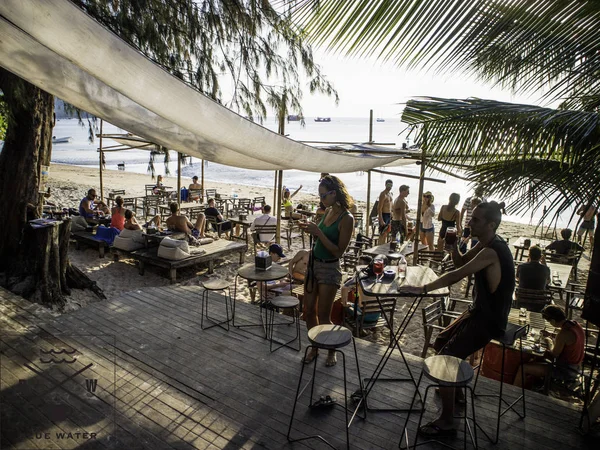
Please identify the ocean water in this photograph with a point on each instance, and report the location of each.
(82, 152)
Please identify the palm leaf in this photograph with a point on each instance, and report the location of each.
(529, 46)
(523, 152)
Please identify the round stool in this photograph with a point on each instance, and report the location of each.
(445, 372)
(215, 286)
(284, 302)
(328, 337)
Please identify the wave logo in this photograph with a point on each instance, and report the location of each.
(58, 356)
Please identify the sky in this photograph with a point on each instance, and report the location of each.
(367, 84)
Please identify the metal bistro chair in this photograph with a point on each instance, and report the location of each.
(210, 193)
(445, 372)
(328, 337)
(215, 286)
(277, 303)
(532, 299)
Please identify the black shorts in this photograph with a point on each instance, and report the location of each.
(463, 337)
(397, 227)
(386, 221)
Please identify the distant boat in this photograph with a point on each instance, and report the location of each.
(62, 140)
(379, 119)
(323, 119)
(295, 117)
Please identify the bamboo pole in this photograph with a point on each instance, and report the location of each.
(367, 220)
(275, 192)
(101, 158)
(278, 194)
(179, 163)
(371, 127)
(417, 229)
(202, 182)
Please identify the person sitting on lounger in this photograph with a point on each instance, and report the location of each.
(177, 222)
(88, 207)
(130, 222)
(211, 211)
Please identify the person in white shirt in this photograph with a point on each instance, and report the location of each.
(427, 214)
(265, 219)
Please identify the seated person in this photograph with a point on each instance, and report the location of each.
(195, 186)
(567, 348)
(117, 215)
(288, 206)
(87, 206)
(177, 222)
(158, 187)
(566, 245)
(299, 265)
(533, 274)
(130, 222)
(211, 211)
(265, 219)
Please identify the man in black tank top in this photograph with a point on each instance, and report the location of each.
(491, 262)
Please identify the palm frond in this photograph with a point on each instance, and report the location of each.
(529, 46)
(523, 152)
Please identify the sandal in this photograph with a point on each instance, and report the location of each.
(323, 402)
(433, 431)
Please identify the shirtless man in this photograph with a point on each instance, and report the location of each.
(299, 265)
(384, 209)
(195, 186)
(588, 224)
(130, 222)
(177, 222)
(491, 261)
(400, 208)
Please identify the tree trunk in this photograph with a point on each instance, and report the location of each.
(591, 309)
(33, 262)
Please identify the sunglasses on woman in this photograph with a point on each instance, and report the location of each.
(326, 194)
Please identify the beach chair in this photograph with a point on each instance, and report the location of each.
(151, 203)
(149, 188)
(210, 193)
(257, 204)
(216, 225)
(371, 309)
(435, 318)
(349, 261)
(195, 195)
(425, 256)
(264, 230)
(291, 232)
(532, 299)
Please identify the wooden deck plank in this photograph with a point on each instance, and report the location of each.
(213, 389)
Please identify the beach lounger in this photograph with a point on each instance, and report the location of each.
(89, 239)
(212, 251)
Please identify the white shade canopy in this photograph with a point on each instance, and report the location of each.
(57, 47)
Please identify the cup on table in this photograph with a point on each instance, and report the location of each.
(393, 246)
(526, 243)
(378, 269)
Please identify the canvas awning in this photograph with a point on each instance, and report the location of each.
(57, 47)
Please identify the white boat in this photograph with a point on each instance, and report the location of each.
(62, 140)
(379, 119)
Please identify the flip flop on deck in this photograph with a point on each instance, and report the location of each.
(323, 402)
(433, 431)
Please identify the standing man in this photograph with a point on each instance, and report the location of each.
(465, 216)
(399, 213)
(588, 225)
(491, 261)
(384, 210)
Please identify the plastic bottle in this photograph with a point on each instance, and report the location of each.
(402, 267)
(398, 238)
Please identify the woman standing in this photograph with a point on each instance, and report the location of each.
(117, 215)
(427, 213)
(449, 216)
(324, 275)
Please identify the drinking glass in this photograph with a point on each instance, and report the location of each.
(378, 269)
(450, 237)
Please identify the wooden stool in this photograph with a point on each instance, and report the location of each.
(284, 302)
(214, 286)
(513, 331)
(445, 371)
(328, 337)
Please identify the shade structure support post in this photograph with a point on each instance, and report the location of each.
(276, 178)
(278, 194)
(371, 127)
(101, 156)
(179, 156)
(417, 229)
(202, 181)
(367, 221)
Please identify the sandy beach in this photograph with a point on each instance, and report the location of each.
(69, 185)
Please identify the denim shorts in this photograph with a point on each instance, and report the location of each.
(427, 230)
(328, 273)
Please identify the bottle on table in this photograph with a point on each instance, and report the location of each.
(402, 267)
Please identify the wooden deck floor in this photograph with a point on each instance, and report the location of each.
(161, 382)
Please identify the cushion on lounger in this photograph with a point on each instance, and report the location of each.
(78, 223)
(173, 249)
(129, 240)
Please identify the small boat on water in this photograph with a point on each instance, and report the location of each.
(323, 119)
(62, 140)
(295, 117)
(379, 119)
